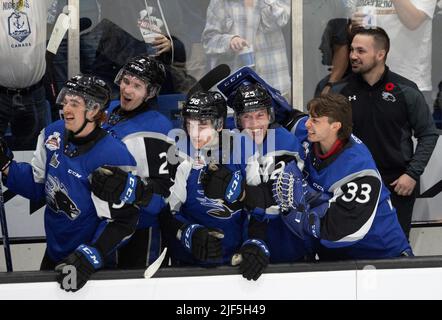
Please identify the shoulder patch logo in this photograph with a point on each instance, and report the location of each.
(387, 96)
(54, 160)
(53, 141)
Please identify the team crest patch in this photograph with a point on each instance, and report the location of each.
(387, 96)
(18, 26)
(53, 141)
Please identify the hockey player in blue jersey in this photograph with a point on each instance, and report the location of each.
(81, 230)
(145, 133)
(254, 114)
(359, 221)
(209, 231)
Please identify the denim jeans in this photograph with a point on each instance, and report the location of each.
(27, 115)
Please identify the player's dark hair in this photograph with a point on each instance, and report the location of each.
(337, 108)
(380, 36)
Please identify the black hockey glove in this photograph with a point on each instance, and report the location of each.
(203, 243)
(114, 185)
(77, 268)
(221, 183)
(6, 155)
(259, 196)
(255, 258)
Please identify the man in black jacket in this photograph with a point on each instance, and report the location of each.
(387, 110)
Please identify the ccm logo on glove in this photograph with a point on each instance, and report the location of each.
(233, 190)
(129, 195)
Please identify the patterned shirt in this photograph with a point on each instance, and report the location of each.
(228, 18)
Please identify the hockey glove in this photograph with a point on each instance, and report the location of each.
(77, 268)
(259, 196)
(288, 189)
(221, 183)
(114, 185)
(6, 155)
(204, 244)
(255, 258)
(292, 191)
(307, 222)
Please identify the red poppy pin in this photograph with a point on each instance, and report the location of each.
(389, 86)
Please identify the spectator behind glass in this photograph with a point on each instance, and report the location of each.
(112, 34)
(22, 67)
(192, 22)
(334, 46)
(56, 72)
(409, 25)
(122, 38)
(234, 26)
(90, 15)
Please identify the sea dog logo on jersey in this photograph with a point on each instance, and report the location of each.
(58, 199)
(218, 208)
(387, 96)
(18, 26)
(53, 141)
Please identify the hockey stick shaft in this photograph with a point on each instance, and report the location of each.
(4, 226)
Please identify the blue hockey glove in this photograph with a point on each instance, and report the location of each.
(307, 222)
(77, 268)
(254, 258)
(289, 188)
(6, 155)
(114, 185)
(204, 244)
(221, 183)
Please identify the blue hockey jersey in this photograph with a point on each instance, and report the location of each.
(145, 133)
(59, 172)
(279, 148)
(190, 205)
(361, 222)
